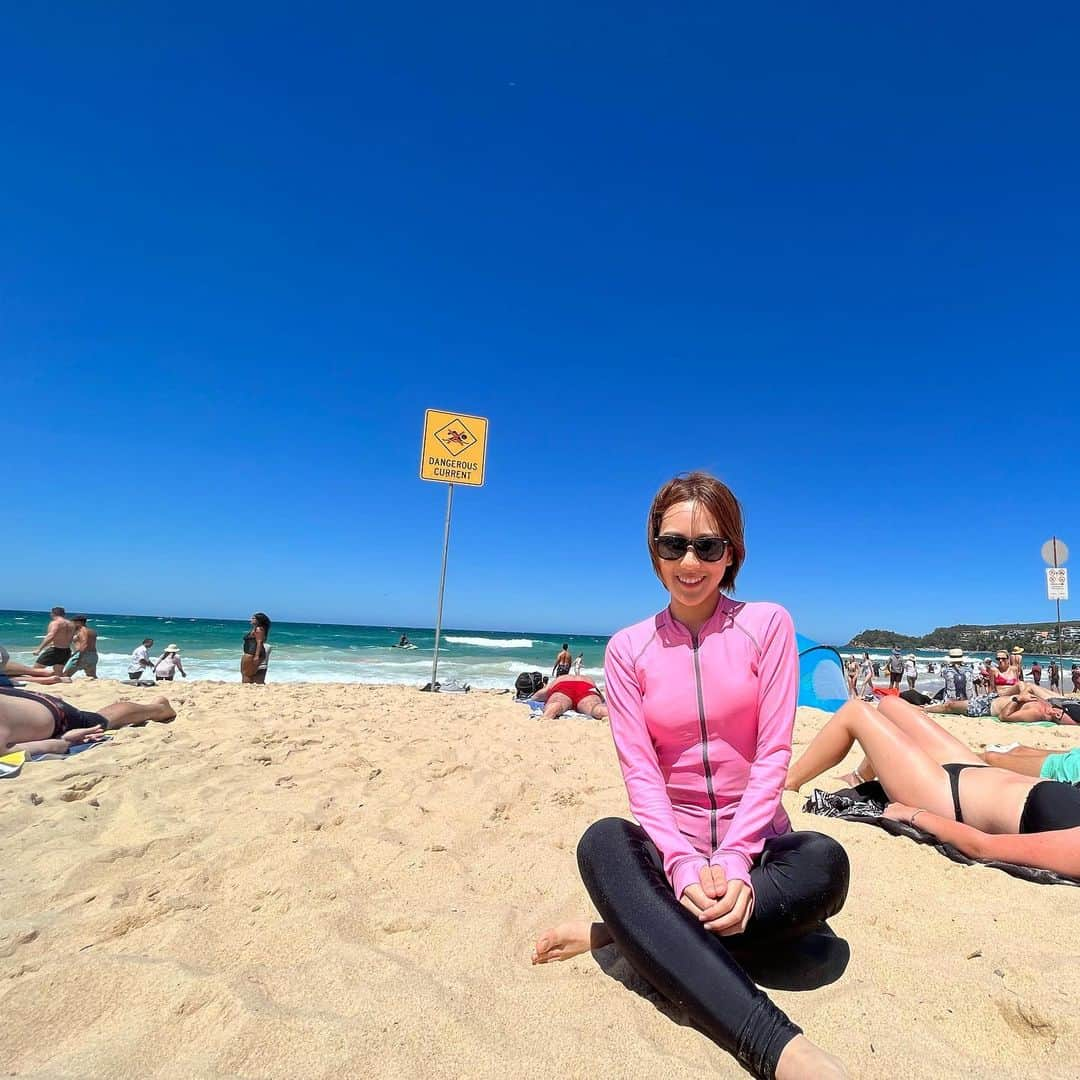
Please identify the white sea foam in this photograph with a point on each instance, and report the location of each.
(493, 643)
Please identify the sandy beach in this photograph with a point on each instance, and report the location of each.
(327, 881)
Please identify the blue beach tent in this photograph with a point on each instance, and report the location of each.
(822, 683)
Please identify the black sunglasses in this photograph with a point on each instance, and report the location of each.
(706, 548)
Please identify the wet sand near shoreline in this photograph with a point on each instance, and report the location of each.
(344, 880)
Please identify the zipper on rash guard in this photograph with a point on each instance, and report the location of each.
(704, 743)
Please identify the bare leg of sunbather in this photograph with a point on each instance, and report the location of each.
(126, 713)
(954, 708)
(928, 736)
(569, 939)
(992, 799)
(1025, 760)
(556, 705)
(931, 738)
(32, 674)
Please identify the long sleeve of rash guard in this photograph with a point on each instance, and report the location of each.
(645, 786)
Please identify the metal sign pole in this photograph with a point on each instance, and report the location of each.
(1061, 662)
(1056, 554)
(442, 582)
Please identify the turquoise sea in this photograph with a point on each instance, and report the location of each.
(316, 652)
(325, 652)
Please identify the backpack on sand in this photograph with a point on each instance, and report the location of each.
(527, 683)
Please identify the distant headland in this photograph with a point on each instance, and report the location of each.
(1038, 637)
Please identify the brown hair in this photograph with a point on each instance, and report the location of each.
(721, 505)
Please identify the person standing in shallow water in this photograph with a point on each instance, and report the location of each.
(562, 662)
(701, 701)
(256, 651)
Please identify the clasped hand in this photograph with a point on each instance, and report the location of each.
(722, 906)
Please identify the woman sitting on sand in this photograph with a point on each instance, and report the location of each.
(41, 723)
(702, 701)
(946, 790)
(571, 692)
(1005, 670)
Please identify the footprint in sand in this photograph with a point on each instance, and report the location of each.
(24, 937)
(403, 925)
(437, 769)
(1025, 1019)
(80, 789)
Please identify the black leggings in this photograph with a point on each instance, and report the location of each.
(800, 879)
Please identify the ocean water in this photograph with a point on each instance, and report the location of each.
(316, 652)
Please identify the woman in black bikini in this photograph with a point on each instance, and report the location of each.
(945, 789)
(253, 662)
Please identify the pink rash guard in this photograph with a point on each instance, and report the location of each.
(703, 732)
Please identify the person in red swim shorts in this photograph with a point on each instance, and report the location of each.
(571, 692)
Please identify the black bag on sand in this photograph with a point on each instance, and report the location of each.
(527, 683)
(915, 697)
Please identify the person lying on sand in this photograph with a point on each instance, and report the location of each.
(1047, 764)
(947, 790)
(27, 720)
(571, 692)
(1021, 703)
(11, 670)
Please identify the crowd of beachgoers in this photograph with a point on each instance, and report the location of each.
(35, 723)
(701, 701)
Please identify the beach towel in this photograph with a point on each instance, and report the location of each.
(867, 803)
(78, 748)
(11, 764)
(536, 708)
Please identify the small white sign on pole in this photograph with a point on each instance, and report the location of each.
(1057, 583)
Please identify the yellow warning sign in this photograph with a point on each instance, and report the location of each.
(454, 448)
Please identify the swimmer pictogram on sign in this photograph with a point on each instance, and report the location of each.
(455, 436)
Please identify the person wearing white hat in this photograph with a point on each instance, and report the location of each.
(911, 671)
(168, 664)
(959, 684)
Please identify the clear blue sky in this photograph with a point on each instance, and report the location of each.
(828, 252)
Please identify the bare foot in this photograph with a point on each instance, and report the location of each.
(166, 712)
(802, 1060)
(850, 779)
(569, 939)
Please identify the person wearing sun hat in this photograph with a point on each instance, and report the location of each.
(168, 664)
(959, 684)
(911, 670)
(1016, 662)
